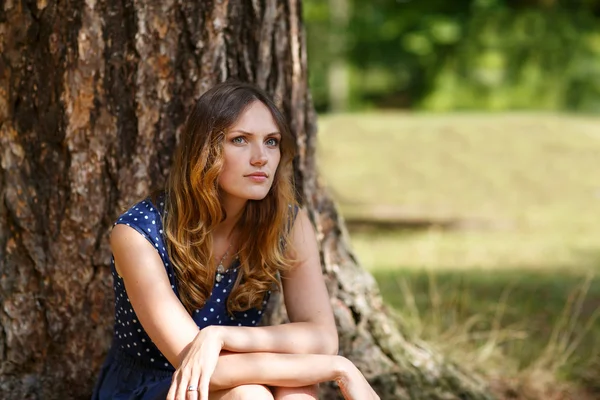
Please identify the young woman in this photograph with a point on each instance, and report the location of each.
(194, 266)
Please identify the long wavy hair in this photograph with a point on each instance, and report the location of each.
(193, 207)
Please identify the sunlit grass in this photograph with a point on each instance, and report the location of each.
(524, 189)
(486, 250)
(525, 171)
(523, 194)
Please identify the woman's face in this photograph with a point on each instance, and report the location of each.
(251, 151)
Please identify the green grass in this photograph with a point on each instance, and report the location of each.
(522, 308)
(524, 192)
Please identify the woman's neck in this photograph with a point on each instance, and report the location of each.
(233, 209)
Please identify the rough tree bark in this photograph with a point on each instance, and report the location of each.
(92, 96)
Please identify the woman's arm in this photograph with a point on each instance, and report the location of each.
(275, 369)
(176, 335)
(157, 307)
(312, 329)
(170, 327)
(281, 370)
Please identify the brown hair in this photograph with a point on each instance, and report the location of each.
(193, 208)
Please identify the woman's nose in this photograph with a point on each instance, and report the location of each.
(259, 156)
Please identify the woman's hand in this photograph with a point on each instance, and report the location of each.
(353, 384)
(197, 366)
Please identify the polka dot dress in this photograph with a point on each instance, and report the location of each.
(135, 368)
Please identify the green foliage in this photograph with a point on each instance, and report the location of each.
(464, 54)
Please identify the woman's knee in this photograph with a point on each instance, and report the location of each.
(298, 393)
(249, 392)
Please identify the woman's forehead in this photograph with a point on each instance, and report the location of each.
(256, 118)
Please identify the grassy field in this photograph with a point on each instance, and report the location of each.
(502, 270)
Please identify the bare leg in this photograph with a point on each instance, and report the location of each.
(298, 393)
(243, 392)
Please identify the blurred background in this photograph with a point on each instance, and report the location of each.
(461, 140)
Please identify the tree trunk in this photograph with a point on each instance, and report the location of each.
(92, 97)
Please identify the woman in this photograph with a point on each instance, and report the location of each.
(194, 266)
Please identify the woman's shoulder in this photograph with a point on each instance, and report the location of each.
(145, 217)
(148, 210)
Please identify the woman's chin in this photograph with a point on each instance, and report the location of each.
(257, 195)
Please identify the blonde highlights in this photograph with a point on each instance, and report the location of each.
(193, 208)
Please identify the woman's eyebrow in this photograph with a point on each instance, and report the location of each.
(252, 134)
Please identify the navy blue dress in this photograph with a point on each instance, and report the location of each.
(134, 368)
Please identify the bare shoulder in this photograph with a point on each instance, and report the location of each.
(127, 243)
(122, 234)
(302, 229)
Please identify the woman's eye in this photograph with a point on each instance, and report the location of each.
(272, 142)
(238, 140)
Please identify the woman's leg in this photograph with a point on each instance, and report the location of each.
(298, 393)
(243, 392)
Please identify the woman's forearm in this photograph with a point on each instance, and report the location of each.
(292, 338)
(286, 370)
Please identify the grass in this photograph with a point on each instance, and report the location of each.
(512, 284)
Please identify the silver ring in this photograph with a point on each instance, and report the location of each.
(192, 388)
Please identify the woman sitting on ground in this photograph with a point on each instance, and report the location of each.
(194, 266)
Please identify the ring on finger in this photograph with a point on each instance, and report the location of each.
(192, 388)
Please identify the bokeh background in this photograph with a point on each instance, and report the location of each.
(461, 140)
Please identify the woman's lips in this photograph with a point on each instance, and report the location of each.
(257, 178)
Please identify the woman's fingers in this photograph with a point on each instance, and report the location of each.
(182, 389)
(354, 386)
(174, 384)
(207, 371)
(191, 392)
(184, 384)
(203, 387)
(192, 385)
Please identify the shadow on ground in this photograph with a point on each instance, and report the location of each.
(553, 308)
